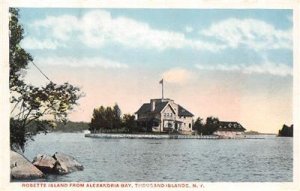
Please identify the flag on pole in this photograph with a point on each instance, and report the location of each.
(161, 81)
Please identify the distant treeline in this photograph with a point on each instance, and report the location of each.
(252, 133)
(286, 131)
(68, 126)
(71, 126)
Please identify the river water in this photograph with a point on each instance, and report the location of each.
(168, 160)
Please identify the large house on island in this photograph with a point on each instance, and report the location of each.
(227, 129)
(164, 115)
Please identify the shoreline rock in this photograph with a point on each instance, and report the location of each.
(22, 168)
(45, 163)
(66, 164)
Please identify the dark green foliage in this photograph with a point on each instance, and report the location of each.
(17, 134)
(129, 123)
(29, 103)
(98, 119)
(18, 57)
(106, 119)
(286, 131)
(117, 117)
(211, 125)
(199, 126)
(109, 116)
(208, 128)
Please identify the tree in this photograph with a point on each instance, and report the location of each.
(106, 119)
(129, 123)
(212, 120)
(18, 57)
(29, 103)
(211, 125)
(98, 121)
(198, 125)
(286, 131)
(109, 116)
(117, 117)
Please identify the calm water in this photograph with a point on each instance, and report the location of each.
(127, 160)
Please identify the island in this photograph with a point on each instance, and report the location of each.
(286, 131)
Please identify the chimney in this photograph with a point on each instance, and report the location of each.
(152, 105)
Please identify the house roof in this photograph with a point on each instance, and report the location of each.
(159, 106)
(230, 126)
(146, 108)
(183, 112)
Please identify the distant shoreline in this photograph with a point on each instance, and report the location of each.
(258, 133)
(138, 133)
(159, 136)
(148, 136)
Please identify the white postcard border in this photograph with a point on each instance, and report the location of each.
(5, 183)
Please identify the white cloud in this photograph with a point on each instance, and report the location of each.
(177, 76)
(60, 27)
(97, 28)
(255, 34)
(267, 67)
(270, 68)
(33, 43)
(80, 62)
(189, 29)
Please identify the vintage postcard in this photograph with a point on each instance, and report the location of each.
(145, 95)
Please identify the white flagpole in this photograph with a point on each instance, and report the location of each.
(162, 88)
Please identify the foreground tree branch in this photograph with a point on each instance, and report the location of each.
(42, 105)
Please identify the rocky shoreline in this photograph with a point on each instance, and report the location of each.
(42, 164)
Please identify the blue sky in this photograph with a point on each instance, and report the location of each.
(187, 22)
(203, 55)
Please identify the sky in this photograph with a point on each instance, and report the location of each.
(234, 64)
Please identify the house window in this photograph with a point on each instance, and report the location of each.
(165, 114)
(190, 125)
(171, 114)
